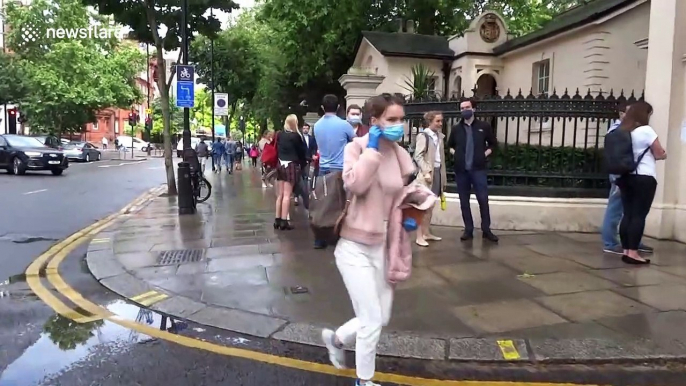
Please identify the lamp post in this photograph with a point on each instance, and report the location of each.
(184, 43)
(212, 82)
(148, 120)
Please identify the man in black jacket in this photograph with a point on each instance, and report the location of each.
(471, 141)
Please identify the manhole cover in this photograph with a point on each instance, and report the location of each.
(180, 256)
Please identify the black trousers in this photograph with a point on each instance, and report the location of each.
(467, 180)
(637, 193)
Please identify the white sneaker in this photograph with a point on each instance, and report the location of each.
(366, 383)
(336, 355)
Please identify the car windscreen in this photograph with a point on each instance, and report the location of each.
(73, 145)
(19, 141)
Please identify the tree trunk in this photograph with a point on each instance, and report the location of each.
(166, 132)
(164, 98)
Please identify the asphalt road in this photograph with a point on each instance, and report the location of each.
(38, 347)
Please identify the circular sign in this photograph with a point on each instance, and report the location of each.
(221, 103)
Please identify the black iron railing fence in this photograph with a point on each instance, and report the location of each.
(549, 145)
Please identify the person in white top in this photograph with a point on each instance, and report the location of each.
(430, 159)
(638, 188)
(104, 143)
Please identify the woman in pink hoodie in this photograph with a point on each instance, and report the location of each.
(375, 172)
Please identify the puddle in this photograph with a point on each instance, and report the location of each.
(25, 239)
(64, 344)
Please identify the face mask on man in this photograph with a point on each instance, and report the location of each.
(467, 114)
(354, 119)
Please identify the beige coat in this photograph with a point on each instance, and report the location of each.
(425, 154)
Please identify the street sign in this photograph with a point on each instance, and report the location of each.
(221, 104)
(185, 86)
(148, 111)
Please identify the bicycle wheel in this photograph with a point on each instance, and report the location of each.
(204, 190)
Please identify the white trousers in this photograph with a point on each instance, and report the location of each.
(363, 268)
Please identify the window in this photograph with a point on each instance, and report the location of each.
(2, 142)
(116, 126)
(433, 81)
(95, 126)
(541, 78)
(457, 87)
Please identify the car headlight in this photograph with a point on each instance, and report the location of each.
(32, 153)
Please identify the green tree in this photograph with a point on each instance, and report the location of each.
(69, 80)
(13, 81)
(67, 334)
(145, 19)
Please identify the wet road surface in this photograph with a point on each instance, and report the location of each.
(42, 348)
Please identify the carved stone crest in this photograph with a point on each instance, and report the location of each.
(490, 30)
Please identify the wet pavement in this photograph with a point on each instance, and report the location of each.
(554, 295)
(58, 352)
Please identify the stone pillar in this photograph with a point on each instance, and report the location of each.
(311, 118)
(359, 87)
(665, 89)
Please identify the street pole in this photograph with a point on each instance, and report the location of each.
(212, 72)
(148, 128)
(133, 134)
(184, 44)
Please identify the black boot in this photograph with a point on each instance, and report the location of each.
(285, 225)
(277, 223)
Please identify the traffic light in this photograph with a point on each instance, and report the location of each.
(133, 118)
(148, 124)
(11, 121)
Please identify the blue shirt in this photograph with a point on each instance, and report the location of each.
(217, 148)
(332, 134)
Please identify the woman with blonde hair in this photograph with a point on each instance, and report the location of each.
(290, 149)
(430, 160)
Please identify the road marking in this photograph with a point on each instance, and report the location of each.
(509, 350)
(122, 164)
(35, 191)
(55, 255)
(149, 298)
(102, 240)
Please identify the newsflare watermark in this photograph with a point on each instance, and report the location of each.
(30, 33)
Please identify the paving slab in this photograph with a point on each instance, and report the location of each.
(536, 296)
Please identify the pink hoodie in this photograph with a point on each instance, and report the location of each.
(375, 180)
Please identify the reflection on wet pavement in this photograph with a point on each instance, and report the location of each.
(64, 343)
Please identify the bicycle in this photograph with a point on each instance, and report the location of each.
(202, 189)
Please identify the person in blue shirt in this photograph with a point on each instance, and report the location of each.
(331, 134)
(218, 151)
(615, 210)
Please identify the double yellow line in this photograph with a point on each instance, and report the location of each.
(52, 258)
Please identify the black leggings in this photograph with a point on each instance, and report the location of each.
(637, 192)
(254, 161)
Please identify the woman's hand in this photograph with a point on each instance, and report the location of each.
(374, 136)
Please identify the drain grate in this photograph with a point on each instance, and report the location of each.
(180, 256)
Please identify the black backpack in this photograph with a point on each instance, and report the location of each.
(619, 153)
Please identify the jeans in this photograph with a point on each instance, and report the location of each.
(363, 269)
(228, 160)
(466, 180)
(217, 158)
(638, 192)
(613, 215)
(320, 173)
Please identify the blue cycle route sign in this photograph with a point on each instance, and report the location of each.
(185, 86)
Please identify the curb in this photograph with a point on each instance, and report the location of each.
(112, 274)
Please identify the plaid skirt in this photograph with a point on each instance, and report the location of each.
(290, 173)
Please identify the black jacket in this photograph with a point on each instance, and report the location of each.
(484, 139)
(311, 150)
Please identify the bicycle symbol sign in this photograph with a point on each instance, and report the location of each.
(185, 73)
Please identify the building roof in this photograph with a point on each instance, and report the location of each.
(574, 18)
(409, 45)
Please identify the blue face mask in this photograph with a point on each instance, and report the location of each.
(467, 114)
(394, 133)
(354, 119)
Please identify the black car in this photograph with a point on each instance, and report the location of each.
(19, 154)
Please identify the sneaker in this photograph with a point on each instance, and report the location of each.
(365, 383)
(645, 249)
(617, 250)
(336, 354)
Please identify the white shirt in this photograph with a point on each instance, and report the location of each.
(104, 140)
(642, 138)
(434, 137)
